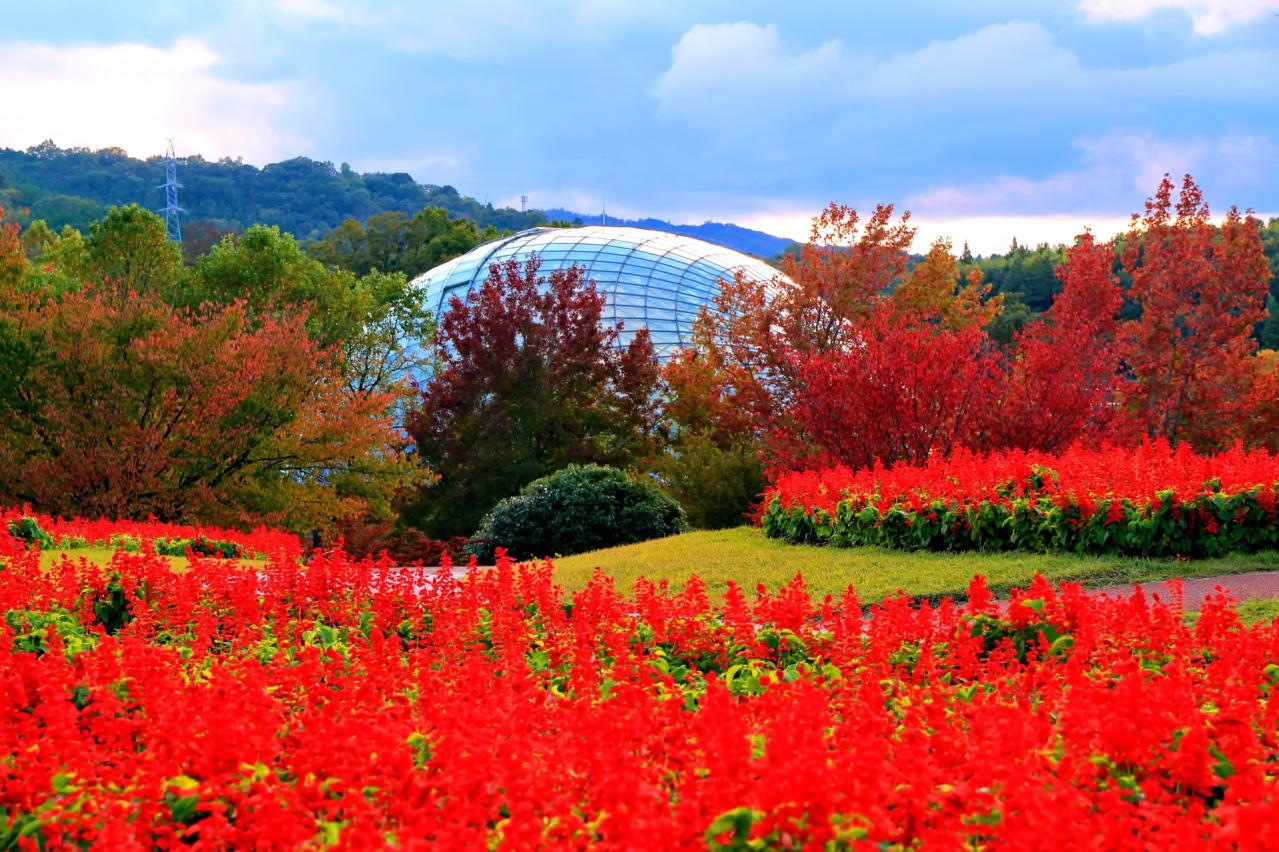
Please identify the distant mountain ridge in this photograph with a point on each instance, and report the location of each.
(308, 198)
(725, 234)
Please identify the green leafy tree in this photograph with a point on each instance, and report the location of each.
(716, 486)
(1012, 318)
(304, 197)
(396, 242)
(130, 246)
(378, 320)
(36, 238)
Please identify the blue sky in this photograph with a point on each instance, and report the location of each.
(986, 119)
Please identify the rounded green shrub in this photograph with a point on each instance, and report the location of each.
(579, 508)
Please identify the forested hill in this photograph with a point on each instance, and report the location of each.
(75, 186)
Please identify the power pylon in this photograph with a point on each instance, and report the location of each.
(171, 209)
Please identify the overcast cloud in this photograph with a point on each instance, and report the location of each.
(986, 119)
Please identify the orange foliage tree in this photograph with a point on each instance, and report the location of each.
(930, 291)
(117, 404)
(790, 362)
(1201, 290)
(741, 375)
(13, 260)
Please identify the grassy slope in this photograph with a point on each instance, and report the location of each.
(102, 556)
(1258, 610)
(745, 556)
(95, 555)
(1253, 611)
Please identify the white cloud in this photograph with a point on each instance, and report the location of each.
(1115, 171)
(742, 71)
(1002, 59)
(1114, 175)
(133, 96)
(1208, 17)
(716, 68)
(988, 235)
(477, 28)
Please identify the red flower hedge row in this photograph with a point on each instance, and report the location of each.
(261, 541)
(1150, 500)
(364, 705)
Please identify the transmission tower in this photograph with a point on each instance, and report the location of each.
(171, 209)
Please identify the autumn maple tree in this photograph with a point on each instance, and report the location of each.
(130, 386)
(906, 388)
(117, 404)
(740, 376)
(852, 356)
(930, 290)
(13, 261)
(527, 381)
(1260, 424)
(1063, 379)
(1201, 291)
(859, 355)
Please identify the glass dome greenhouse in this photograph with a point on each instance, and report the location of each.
(650, 279)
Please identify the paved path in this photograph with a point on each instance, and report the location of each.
(1196, 590)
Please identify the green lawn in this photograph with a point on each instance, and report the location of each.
(1252, 611)
(1258, 610)
(102, 556)
(95, 555)
(745, 556)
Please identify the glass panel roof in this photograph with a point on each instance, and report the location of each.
(642, 273)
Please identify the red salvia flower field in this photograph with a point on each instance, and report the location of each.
(261, 541)
(360, 704)
(1149, 499)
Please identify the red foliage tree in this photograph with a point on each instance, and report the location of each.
(527, 381)
(906, 387)
(1201, 292)
(1063, 380)
(741, 377)
(839, 275)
